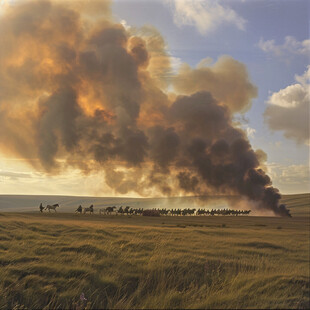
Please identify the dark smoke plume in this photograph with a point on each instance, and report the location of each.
(77, 89)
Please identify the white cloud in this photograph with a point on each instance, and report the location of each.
(250, 132)
(123, 22)
(205, 15)
(176, 63)
(289, 97)
(304, 79)
(291, 46)
(290, 178)
(205, 62)
(14, 175)
(288, 109)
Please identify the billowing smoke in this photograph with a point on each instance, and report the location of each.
(79, 90)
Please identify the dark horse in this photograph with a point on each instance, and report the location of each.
(109, 210)
(53, 207)
(90, 209)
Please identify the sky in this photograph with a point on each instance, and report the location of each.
(271, 38)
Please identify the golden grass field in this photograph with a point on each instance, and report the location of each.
(48, 260)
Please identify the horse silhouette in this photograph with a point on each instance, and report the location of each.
(90, 209)
(52, 207)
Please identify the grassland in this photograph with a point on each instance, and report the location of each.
(298, 204)
(48, 260)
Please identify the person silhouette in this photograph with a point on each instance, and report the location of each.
(79, 209)
(41, 207)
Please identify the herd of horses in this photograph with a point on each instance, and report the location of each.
(165, 212)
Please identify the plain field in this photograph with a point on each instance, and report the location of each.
(49, 260)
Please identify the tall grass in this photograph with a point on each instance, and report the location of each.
(49, 260)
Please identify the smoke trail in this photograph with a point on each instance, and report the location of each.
(77, 89)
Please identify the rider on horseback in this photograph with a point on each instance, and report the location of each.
(79, 209)
(41, 207)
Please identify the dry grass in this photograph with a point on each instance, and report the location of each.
(48, 260)
(299, 204)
